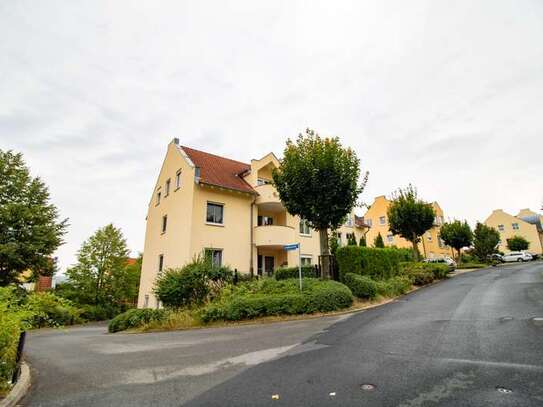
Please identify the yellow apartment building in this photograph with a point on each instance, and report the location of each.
(431, 244)
(526, 223)
(204, 203)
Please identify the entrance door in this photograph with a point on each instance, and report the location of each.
(269, 263)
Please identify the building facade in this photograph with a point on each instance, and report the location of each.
(431, 244)
(228, 210)
(526, 223)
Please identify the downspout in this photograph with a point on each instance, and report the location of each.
(251, 267)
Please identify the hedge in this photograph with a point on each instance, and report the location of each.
(361, 286)
(292, 272)
(379, 264)
(134, 318)
(279, 298)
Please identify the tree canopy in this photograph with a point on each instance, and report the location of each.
(101, 275)
(409, 216)
(318, 180)
(456, 234)
(30, 228)
(485, 240)
(517, 243)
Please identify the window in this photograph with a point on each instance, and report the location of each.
(501, 228)
(304, 228)
(515, 226)
(429, 236)
(440, 242)
(167, 187)
(390, 238)
(368, 222)
(146, 302)
(158, 196)
(214, 213)
(160, 263)
(339, 238)
(264, 221)
(262, 181)
(178, 179)
(382, 220)
(164, 223)
(215, 255)
(349, 221)
(197, 172)
(306, 260)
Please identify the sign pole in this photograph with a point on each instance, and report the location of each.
(300, 264)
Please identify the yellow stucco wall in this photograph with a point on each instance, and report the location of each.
(429, 245)
(503, 223)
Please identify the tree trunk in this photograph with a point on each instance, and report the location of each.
(325, 252)
(459, 256)
(416, 254)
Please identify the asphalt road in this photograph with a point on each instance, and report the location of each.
(473, 340)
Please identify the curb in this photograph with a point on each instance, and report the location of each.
(19, 390)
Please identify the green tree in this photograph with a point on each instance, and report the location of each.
(457, 235)
(30, 229)
(517, 243)
(318, 180)
(100, 276)
(485, 240)
(409, 217)
(333, 242)
(362, 242)
(378, 241)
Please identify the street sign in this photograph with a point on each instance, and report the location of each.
(296, 246)
(289, 247)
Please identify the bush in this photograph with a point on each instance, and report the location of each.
(471, 266)
(425, 273)
(272, 297)
(292, 272)
(393, 286)
(191, 284)
(379, 264)
(361, 286)
(50, 310)
(98, 312)
(135, 317)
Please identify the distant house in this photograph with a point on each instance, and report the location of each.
(526, 223)
(228, 210)
(431, 244)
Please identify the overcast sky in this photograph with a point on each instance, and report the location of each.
(445, 95)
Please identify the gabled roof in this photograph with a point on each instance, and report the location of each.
(220, 171)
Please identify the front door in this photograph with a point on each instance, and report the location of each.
(269, 263)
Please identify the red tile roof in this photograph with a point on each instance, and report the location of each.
(219, 171)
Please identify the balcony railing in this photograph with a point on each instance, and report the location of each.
(273, 235)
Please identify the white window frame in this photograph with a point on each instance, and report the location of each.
(390, 238)
(302, 227)
(501, 228)
(306, 257)
(213, 250)
(216, 204)
(177, 180)
(382, 220)
(368, 222)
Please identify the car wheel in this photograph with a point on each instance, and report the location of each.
(520, 260)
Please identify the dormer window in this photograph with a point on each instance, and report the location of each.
(197, 173)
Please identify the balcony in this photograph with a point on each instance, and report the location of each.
(273, 236)
(267, 195)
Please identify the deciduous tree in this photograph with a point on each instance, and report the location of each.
(318, 180)
(30, 228)
(517, 243)
(457, 234)
(409, 216)
(485, 240)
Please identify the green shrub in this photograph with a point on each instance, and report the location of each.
(98, 312)
(51, 310)
(471, 266)
(292, 272)
(191, 284)
(425, 273)
(361, 286)
(379, 264)
(135, 317)
(393, 286)
(272, 297)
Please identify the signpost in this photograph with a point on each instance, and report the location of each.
(295, 246)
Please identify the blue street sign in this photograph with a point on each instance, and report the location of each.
(291, 246)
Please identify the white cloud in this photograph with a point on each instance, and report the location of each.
(444, 95)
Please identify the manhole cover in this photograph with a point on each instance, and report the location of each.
(367, 387)
(504, 390)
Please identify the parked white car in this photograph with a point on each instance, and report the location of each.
(443, 260)
(517, 256)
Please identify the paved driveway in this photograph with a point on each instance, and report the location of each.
(473, 340)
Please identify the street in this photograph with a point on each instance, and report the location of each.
(473, 340)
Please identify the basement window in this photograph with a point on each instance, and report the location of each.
(215, 255)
